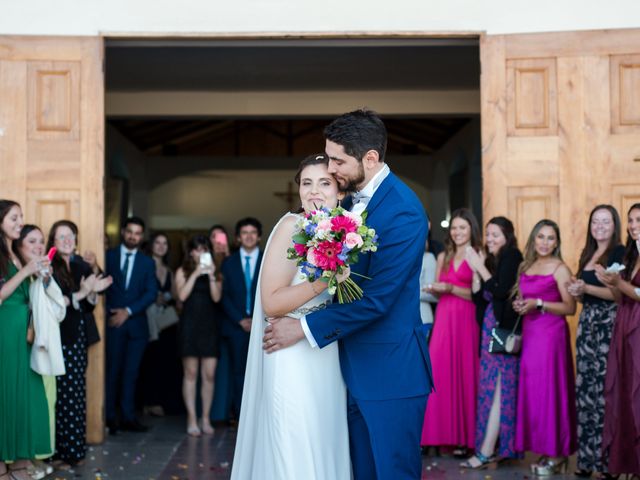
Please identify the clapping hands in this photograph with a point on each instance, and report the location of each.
(95, 284)
(474, 259)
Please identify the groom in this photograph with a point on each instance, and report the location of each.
(383, 354)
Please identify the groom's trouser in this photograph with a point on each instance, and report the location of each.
(384, 438)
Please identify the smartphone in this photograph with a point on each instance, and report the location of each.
(205, 259)
(52, 253)
(220, 237)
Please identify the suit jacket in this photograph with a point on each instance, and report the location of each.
(234, 292)
(500, 285)
(383, 351)
(142, 291)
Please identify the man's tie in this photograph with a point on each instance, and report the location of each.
(247, 282)
(125, 269)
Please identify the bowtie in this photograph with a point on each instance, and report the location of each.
(358, 197)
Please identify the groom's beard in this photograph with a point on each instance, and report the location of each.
(352, 184)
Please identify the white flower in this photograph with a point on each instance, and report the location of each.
(356, 217)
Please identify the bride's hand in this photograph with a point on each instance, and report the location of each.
(341, 277)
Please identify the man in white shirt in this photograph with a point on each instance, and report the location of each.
(134, 288)
(240, 279)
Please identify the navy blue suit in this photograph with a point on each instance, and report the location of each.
(383, 352)
(126, 344)
(234, 298)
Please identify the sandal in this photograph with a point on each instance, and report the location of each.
(483, 459)
(42, 465)
(19, 474)
(193, 431)
(460, 452)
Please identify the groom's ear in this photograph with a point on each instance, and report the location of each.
(371, 159)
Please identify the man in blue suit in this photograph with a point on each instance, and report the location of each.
(134, 288)
(240, 280)
(383, 352)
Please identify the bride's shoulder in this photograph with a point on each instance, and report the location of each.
(286, 226)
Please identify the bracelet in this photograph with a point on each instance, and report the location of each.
(313, 287)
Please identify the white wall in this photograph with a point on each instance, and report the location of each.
(224, 196)
(91, 17)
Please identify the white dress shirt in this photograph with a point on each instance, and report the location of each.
(123, 256)
(361, 202)
(253, 260)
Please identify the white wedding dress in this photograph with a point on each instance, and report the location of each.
(293, 419)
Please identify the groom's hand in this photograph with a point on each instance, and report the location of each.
(281, 333)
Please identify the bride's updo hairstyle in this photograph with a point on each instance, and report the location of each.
(316, 159)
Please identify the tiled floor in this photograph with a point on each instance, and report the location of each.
(167, 453)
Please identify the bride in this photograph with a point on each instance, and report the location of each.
(293, 419)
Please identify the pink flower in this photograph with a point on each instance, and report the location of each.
(343, 224)
(326, 255)
(353, 240)
(324, 224)
(300, 249)
(311, 257)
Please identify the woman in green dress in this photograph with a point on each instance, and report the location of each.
(24, 415)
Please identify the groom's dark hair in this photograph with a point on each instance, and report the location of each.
(358, 132)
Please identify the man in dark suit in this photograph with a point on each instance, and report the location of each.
(134, 288)
(240, 280)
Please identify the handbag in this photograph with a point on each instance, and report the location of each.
(160, 317)
(506, 341)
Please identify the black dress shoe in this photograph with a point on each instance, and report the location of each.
(133, 426)
(112, 427)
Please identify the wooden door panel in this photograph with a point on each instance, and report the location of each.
(528, 205)
(13, 122)
(560, 111)
(44, 207)
(52, 152)
(560, 128)
(54, 100)
(623, 197)
(531, 97)
(625, 93)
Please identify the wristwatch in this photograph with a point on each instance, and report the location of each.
(539, 305)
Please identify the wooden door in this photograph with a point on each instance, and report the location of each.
(52, 152)
(560, 128)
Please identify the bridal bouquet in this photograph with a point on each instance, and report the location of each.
(326, 243)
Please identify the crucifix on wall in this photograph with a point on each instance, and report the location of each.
(290, 196)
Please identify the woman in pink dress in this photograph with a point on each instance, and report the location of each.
(450, 417)
(546, 413)
(622, 381)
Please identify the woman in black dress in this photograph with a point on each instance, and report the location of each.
(160, 378)
(199, 289)
(602, 247)
(79, 286)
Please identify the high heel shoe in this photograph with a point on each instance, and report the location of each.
(483, 459)
(551, 467)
